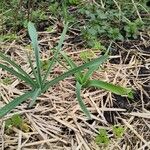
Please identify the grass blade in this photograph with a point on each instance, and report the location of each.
(32, 67)
(35, 95)
(92, 69)
(20, 76)
(110, 87)
(7, 59)
(80, 101)
(14, 103)
(71, 72)
(56, 53)
(89, 73)
(78, 75)
(33, 35)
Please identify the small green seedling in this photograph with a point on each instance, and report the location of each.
(118, 131)
(8, 37)
(16, 121)
(44, 64)
(74, 2)
(102, 137)
(87, 55)
(97, 46)
(6, 81)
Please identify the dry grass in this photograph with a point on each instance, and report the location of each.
(56, 122)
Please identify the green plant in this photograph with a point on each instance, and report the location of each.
(8, 37)
(114, 21)
(16, 121)
(73, 2)
(132, 28)
(39, 83)
(83, 81)
(97, 46)
(87, 55)
(6, 81)
(118, 131)
(38, 15)
(115, 34)
(102, 137)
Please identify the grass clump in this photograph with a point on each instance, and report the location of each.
(38, 82)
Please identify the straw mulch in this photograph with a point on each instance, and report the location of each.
(57, 122)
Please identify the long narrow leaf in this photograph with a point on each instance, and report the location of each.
(78, 75)
(80, 101)
(71, 72)
(56, 53)
(116, 89)
(92, 69)
(35, 95)
(32, 67)
(20, 76)
(21, 71)
(33, 35)
(89, 73)
(11, 105)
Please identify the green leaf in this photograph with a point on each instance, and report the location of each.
(102, 137)
(14, 103)
(18, 68)
(80, 101)
(89, 74)
(32, 67)
(71, 72)
(118, 131)
(37, 92)
(33, 35)
(92, 69)
(110, 87)
(16, 120)
(62, 38)
(78, 75)
(20, 76)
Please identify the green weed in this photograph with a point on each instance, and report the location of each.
(132, 28)
(102, 137)
(6, 81)
(8, 37)
(118, 131)
(87, 55)
(16, 121)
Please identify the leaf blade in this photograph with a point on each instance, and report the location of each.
(20, 76)
(80, 101)
(92, 69)
(71, 72)
(7, 59)
(11, 105)
(33, 35)
(116, 89)
(56, 53)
